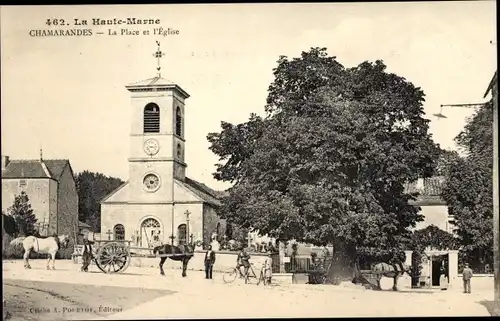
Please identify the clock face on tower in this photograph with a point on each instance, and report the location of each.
(151, 147)
(151, 182)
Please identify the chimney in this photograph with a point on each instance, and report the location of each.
(5, 162)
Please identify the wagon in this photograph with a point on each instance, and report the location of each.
(114, 256)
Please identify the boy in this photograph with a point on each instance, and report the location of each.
(268, 269)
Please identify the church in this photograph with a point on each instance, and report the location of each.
(159, 204)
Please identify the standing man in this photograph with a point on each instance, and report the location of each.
(466, 276)
(209, 262)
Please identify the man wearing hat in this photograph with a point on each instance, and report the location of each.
(466, 276)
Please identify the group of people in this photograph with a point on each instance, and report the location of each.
(242, 261)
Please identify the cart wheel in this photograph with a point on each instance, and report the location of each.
(113, 258)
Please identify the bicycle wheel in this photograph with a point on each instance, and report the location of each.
(261, 277)
(230, 275)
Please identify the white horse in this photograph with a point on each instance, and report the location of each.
(48, 245)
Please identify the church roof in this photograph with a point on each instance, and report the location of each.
(35, 168)
(201, 190)
(156, 83)
(197, 189)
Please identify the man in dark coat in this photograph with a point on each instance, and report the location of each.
(209, 262)
(87, 255)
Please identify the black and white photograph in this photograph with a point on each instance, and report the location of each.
(249, 160)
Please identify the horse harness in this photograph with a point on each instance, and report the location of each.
(398, 265)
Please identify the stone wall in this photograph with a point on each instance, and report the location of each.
(478, 282)
(38, 191)
(67, 211)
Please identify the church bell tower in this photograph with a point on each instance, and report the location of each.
(156, 137)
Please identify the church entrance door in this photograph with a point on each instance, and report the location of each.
(151, 233)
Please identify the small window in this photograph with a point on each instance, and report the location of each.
(178, 122)
(182, 234)
(179, 151)
(151, 118)
(22, 183)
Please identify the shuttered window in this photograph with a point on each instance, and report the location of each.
(151, 118)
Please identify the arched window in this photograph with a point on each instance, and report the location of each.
(119, 232)
(178, 122)
(151, 118)
(182, 234)
(150, 233)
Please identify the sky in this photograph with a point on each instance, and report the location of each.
(67, 95)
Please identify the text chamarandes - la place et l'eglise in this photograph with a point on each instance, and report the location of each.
(79, 27)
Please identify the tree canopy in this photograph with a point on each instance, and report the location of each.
(92, 188)
(23, 216)
(433, 237)
(329, 162)
(468, 191)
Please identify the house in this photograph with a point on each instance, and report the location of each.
(50, 186)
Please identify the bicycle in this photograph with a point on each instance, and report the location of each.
(232, 273)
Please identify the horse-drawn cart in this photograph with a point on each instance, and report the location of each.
(110, 256)
(114, 256)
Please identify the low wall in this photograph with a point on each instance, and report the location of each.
(478, 282)
(223, 261)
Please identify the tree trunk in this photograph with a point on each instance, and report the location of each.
(343, 265)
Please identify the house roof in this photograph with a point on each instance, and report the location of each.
(431, 186)
(429, 191)
(490, 86)
(50, 168)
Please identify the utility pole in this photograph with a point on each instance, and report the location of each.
(496, 196)
(493, 87)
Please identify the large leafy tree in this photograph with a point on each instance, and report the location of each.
(22, 213)
(92, 188)
(468, 190)
(329, 162)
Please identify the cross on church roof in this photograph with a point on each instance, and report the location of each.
(158, 54)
